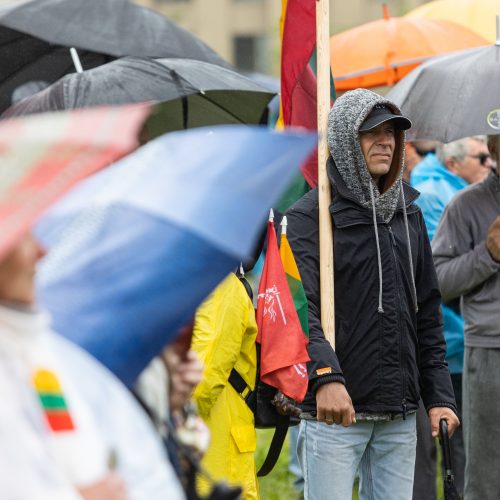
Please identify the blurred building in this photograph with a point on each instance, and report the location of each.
(246, 32)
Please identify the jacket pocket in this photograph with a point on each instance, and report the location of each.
(244, 437)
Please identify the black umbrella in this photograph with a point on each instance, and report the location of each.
(450, 490)
(452, 96)
(35, 38)
(194, 93)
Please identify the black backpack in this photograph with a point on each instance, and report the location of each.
(261, 402)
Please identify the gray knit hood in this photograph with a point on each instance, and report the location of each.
(344, 120)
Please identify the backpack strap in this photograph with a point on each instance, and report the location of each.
(282, 424)
(241, 387)
(281, 428)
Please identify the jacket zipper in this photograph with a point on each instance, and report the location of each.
(402, 371)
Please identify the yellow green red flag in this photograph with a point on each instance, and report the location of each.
(294, 280)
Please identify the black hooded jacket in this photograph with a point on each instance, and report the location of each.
(386, 359)
(390, 348)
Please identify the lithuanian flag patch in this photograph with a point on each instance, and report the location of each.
(51, 397)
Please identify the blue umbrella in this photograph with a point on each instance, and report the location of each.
(145, 241)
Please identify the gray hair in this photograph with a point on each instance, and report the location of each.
(457, 149)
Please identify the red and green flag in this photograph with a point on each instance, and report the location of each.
(294, 280)
(283, 353)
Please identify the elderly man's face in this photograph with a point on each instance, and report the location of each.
(378, 146)
(477, 162)
(17, 272)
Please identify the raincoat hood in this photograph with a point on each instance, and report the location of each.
(345, 118)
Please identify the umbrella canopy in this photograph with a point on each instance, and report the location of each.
(145, 242)
(452, 96)
(42, 156)
(196, 93)
(476, 15)
(382, 52)
(35, 37)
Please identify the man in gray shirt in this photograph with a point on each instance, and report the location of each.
(466, 249)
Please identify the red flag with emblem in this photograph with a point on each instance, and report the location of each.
(283, 353)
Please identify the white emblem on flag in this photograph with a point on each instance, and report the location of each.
(272, 296)
(301, 370)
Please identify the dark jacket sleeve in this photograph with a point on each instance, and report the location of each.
(303, 236)
(436, 386)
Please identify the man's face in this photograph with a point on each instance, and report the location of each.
(470, 168)
(378, 146)
(17, 272)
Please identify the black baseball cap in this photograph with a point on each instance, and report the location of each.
(382, 113)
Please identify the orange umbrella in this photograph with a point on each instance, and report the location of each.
(382, 52)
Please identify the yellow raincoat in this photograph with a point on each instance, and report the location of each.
(224, 338)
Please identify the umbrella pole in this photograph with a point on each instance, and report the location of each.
(325, 222)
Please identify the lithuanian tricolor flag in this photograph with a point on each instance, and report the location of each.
(294, 280)
(55, 409)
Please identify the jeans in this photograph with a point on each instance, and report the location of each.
(383, 454)
(293, 459)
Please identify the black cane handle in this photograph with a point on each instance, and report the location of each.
(445, 444)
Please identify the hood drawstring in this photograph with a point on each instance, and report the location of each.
(408, 248)
(379, 258)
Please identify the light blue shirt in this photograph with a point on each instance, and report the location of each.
(437, 186)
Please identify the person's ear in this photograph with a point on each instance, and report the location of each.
(452, 164)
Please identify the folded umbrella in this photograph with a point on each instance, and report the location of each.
(195, 93)
(43, 156)
(145, 242)
(450, 490)
(452, 96)
(35, 37)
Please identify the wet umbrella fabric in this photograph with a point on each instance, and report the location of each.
(42, 156)
(35, 37)
(213, 95)
(144, 243)
(452, 96)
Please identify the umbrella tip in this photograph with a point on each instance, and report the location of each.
(271, 215)
(385, 11)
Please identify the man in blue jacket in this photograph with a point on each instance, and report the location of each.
(439, 177)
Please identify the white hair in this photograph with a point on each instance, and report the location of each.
(457, 149)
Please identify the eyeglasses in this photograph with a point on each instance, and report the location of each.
(482, 157)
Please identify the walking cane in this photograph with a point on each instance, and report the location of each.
(450, 490)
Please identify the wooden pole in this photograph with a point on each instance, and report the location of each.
(325, 222)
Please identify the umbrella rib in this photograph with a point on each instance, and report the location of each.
(230, 113)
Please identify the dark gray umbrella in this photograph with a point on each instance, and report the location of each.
(452, 96)
(194, 93)
(35, 37)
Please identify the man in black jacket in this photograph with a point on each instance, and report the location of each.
(390, 349)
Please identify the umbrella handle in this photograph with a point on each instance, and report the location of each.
(444, 438)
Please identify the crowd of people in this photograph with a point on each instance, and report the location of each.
(416, 261)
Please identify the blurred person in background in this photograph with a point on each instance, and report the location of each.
(466, 249)
(224, 336)
(415, 152)
(68, 430)
(439, 177)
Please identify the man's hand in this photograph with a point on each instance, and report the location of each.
(334, 405)
(493, 239)
(111, 487)
(437, 413)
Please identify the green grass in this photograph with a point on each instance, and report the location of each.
(278, 484)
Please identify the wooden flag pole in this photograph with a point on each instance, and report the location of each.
(325, 222)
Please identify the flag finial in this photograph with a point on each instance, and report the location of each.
(284, 223)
